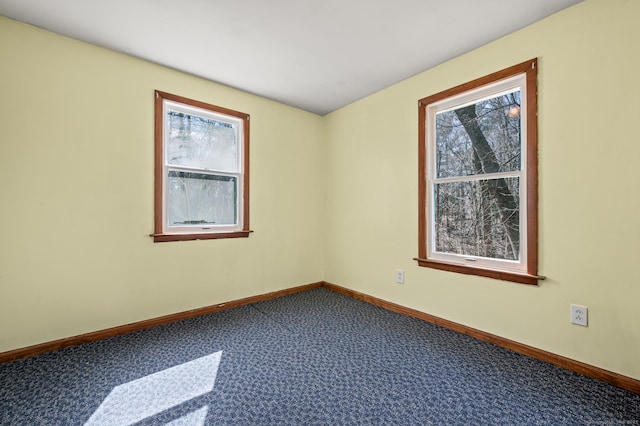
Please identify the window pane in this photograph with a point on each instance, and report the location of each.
(195, 141)
(201, 199)
(478, 218)
(479, 138)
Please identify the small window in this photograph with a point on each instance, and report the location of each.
(201, 170)
(478, 177)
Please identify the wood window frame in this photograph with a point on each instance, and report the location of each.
(160, 235)
(530, 69)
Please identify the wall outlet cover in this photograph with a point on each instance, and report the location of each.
(579, 315)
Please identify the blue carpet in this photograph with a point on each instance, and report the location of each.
(315, 357)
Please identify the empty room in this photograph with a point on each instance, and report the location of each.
(332, 212)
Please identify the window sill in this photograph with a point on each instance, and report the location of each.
(162, 238)
(489, 273)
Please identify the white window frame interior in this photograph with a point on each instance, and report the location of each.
(508, 85)
(238, 125)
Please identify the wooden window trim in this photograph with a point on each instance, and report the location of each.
(159, 235)
(530, 69)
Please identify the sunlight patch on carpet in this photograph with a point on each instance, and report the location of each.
(139, 399)
(195, 418)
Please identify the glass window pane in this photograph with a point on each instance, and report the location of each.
(194, 141)
(201, 199)
(480, 138)
(478, 218)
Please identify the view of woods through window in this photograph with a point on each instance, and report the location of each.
(476, 182)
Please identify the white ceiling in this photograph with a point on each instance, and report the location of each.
(315, 55)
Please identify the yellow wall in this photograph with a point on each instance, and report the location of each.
(76, 190)
(332, 198)
(589, 157)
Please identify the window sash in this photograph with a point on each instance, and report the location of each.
(203, 223)
(234, 123)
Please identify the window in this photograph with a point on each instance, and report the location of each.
(201, 170)
(478, 177)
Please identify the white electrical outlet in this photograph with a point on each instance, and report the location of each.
(579, 315)
(400, 276)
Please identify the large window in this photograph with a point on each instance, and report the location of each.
(478, 177)
(201, 170)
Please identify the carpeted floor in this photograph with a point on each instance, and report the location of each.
(315, 357)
